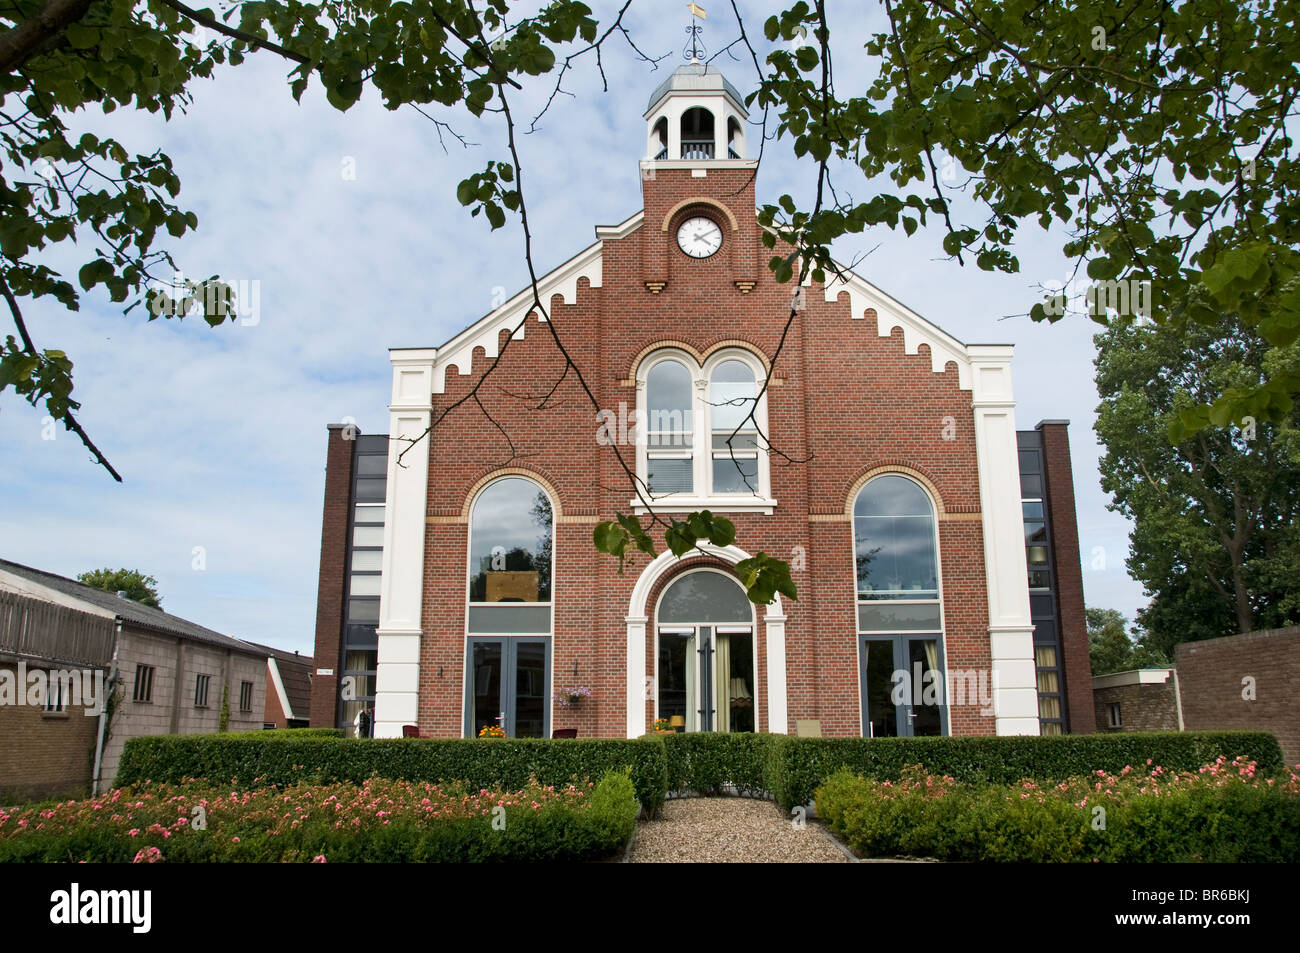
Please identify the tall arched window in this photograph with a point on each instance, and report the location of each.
(733, 395)
(508, 648)
(899, 615)
(669, 413)
(510, 542)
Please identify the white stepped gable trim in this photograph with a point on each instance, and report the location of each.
(486, 332)
(892, 314)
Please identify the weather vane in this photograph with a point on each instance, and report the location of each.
(696, 49)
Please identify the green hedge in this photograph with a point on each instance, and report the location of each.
(277, 734)
(786, 768)
(264, 758)
(706, 762)
(1233, 823)
(796, 766)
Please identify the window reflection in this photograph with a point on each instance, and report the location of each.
(510, 543)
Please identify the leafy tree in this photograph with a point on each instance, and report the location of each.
(1113, 647)
(137, 586)
(1215, 541)
(1108, 643)
(1153, 134)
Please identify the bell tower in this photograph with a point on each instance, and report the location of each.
(695, 116)
(697, 183)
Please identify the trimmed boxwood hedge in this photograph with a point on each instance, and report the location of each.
(263, 758)
(706, 762)
(785, 768)
(796, 766)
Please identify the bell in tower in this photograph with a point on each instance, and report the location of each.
(695, 115)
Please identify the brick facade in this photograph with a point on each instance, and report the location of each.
(1146, 706)
(862, 387)
(44, 754)
(1213, 675)
(330, 599)
(843, 399)
(1059, 480)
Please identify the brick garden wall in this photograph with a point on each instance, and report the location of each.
(1211, 674)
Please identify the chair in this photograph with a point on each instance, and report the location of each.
(410, 731)
(564, 733)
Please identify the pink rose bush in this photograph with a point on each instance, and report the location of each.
(1225, 811)
(376, 820)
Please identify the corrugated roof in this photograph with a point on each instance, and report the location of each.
(130, 611)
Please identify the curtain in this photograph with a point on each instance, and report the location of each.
(722, 681)
(692, 663)
(932, 656)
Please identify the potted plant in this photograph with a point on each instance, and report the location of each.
(663, 726)
(569, 698)
(491, 731)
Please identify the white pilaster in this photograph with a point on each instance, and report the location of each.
(1011, 643)
(777, 711)
(636, 683)
(402, 587)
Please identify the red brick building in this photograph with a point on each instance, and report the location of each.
(460, 587)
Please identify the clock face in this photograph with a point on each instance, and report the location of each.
(699, 237)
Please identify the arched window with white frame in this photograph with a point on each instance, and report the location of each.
(733, 399)
(702, 430)
(669, 412)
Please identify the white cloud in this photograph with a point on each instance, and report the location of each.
(220, 433)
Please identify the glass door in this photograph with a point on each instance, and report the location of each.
(509, 686)
(706, 678)
(902, 686)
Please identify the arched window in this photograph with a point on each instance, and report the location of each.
(893, 535)
(735, 140)
(733, 394)
(702, 429)
(510, 544)
(669, 444)
(899, 618)
(697, 133)
(508, 649)
(659, 139)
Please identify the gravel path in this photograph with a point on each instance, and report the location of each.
(729, 830)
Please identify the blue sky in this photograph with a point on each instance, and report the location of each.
(220, 433)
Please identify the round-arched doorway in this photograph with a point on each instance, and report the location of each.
(705, 672)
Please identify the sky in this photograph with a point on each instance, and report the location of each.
(348, 227)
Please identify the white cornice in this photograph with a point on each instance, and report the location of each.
(621, 230)
(649, 164)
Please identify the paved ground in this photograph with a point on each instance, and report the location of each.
(729, 830)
